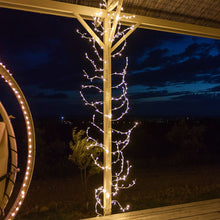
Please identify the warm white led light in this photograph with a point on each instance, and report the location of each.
(121, 107)
(5, 74)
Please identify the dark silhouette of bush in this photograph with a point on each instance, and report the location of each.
(51, 152)
(187, 139)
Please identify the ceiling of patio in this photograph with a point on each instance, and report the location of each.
(199, 12)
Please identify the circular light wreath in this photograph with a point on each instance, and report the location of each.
(13, 168)
(7, 77)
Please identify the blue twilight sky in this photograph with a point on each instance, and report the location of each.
(168, 74)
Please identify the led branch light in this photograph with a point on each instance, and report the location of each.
(120, 168)
(7, 77)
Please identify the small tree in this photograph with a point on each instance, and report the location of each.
(82, 149)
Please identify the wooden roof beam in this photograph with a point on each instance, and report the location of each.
(50, 7)
(112, 4)
(172, 26)
(68, 10)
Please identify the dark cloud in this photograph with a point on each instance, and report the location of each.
(51, 96)
(178, 68)
(154, 58)
(217, 45)
(152, 94)
(196, 49)
(215, 89)
(193, 97)
(202, 107)
(144, 40)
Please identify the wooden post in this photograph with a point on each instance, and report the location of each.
(109, 31)
(107, 117)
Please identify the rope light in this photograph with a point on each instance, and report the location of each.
(8, 78)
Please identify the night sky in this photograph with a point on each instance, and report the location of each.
(168, 74)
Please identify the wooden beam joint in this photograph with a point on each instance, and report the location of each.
(90, 31)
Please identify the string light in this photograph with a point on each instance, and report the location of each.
(7, 77)
(122, 168)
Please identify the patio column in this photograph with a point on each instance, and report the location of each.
(110, 20)
(107, 116)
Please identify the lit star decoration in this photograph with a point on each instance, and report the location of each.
(7, 77)
(120, 108)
